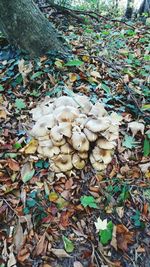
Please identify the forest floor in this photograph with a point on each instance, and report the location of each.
(43, 221)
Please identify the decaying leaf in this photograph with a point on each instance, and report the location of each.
(30, 148)
(124, 237)
(13, 164)
(60, 253)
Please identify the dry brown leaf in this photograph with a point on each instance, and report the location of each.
(60, 253)
(18, 237)
(40, 245)
(72, 77)
(23, 255)
(13, 165)
(3, 114)
(124, 237)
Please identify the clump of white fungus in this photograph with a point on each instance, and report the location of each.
(71, 130)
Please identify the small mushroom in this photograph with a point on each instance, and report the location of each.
(105, 144)
(63, 162)
(136, 127)
(77, 162)
(98, 110)
(84, 103)
(47, 143)
(90, 135)
(65, 128)
(65, 101)
(43, 125)
(98, 166)
(49, 152)
(79, 140)
(102, 155)
(66, 149)
(66, 114)
(83, 155)
(58, 143)
(36, 113)
(110, 136)
(80, 121)
(98, 125)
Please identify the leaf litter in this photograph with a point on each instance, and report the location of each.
(90, 219)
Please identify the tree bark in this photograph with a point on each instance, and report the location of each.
(144, 7)
(25, 26)
(129, 9)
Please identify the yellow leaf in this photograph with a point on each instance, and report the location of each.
(53, 196)
(72, 77)
(86, 58)
(31, 147)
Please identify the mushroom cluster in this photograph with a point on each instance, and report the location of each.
(71, 130)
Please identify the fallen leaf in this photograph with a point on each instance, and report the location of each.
(18, 237)
(27, 172)
(30, 148)
(13, 164)
(40, 245)
(60, 253)
(12, 260)
(124, 237)
(23, 255)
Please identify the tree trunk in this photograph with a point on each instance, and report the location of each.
(25, 26)
(129, 9)
(144, 7)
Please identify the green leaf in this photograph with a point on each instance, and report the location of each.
(31, 203)
(106, 88)
(28, 176)
(106, 235)
(88, 201)
(19, 103)
(17, 145)
(69, 246)
(146, 107)
(36, 75)
(146, 147)
(1, 88)
(129, 142)
(74, 63)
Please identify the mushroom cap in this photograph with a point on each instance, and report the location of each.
(98, 166)
(63, 162)
(56, 134)
(90, 135)
(84, 103)
(83, 155)
(77, 162)
(58, 143)
(65, 128)
(43, 125)
(105, 144)
(37, 113)
(80, 121)
(98, 110)
(66, 114)
(66, 149)
(79, 140)
(98, 125)
(102, 155)
(115, 118)
(46, 143)
(65, 101)
(48, 152)
(110, 136)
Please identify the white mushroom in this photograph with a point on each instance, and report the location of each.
(63, 162)
(49, 152)
(105, 144)
(102, 155)
(84, 103)
(98, 110)
(65, 101)
(98, 125)
(136, 127)
(77, 162)
(90, 135)
(79, 140)
(98, 166)
(66, 114)
(66, 149)
(83, 155)
(43, 125)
